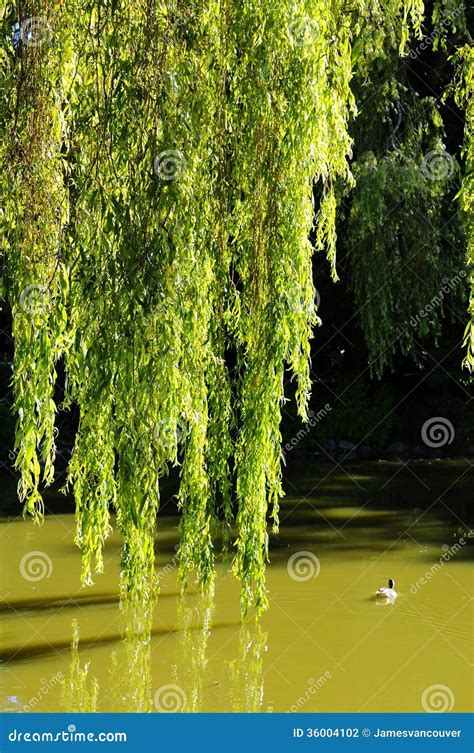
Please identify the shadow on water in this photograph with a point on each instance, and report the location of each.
(22, 653)
(79, 600)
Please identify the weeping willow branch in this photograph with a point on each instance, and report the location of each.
(464, 96)
(158, 181)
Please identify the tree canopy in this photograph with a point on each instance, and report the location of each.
(169, 170)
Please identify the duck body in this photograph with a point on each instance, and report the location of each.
(387, 594)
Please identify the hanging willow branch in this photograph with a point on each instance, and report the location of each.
(158, 181)
(464, 96)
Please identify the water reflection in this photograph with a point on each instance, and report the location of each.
(194, 626)
(79, 691)
(130, 686)
(130, 673)
(246, 673)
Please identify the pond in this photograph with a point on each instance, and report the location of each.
(324, 645)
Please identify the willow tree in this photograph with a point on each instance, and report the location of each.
(158, 181)
(464, 96)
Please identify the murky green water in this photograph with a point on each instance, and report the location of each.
(324, 645)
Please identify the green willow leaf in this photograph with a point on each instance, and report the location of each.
(158, 183)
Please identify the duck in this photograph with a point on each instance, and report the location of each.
(389, 594)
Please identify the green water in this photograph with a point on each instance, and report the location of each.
(324, 645)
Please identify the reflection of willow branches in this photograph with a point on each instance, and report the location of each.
(130, 679)
(79, 692)
(195, 623)
(246, 678)
(130, 673)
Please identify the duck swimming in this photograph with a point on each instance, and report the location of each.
(389, 594)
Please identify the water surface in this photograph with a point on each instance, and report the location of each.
(324, 645)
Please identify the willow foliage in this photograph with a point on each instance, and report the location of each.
(464, 96)
(403, 258)
(404, 244)
(157, 187)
